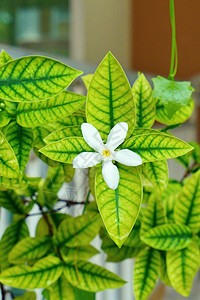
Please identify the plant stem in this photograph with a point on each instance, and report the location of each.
(3, 292)
(189, 170)
(86, 201)
(174, 53)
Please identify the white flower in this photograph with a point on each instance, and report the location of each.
(106, 153)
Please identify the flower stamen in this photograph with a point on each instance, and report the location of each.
(106, 153)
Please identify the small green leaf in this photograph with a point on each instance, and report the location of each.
(172, 94)
(77, 231)
(61, 290)
(153, 215)
(42, 274)
(110, 99)
(146, 271)
(187, 206)
(21, 140)
(90, 277)
(119, 208)
(182, 266)
(80, 294)
(153, 147)
(168, 237)
(12, 202)
(114, 254)
(9, 166)
(168, 198)
(163, 269)
(87, 80)
(180, 116)
(196, 152)
(69, 172)
(29, 249)
(4, 116)
(156, 173)
(66, 150)
(4, 57)
(27, 296)
(38, 113)
(14, 233)
(68, 131)
(145, 104)
(34, 78)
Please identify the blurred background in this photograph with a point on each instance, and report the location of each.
(81, 32)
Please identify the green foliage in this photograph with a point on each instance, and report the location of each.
(182, 266)
(51, 110)
(145, 104)
(146, 271)
(34, 78)
(118, 205)
(172, 94)
(163, 234)
(90, 277)
(168, 237)
(110, 99)
(156, 146)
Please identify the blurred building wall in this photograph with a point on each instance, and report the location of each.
(99, 26)
(151, 40)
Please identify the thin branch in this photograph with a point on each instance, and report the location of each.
(3, 292)
(189, 170)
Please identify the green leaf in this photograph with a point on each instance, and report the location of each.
(48, 190)
(156, 173)
(4, 115)
(140, 131)
(80, 252)
(187, 206)
(12, 202)
(163, 269)
(9, 166)
(38, 113)
(110, 99)
(172, 94)
(180, 116)
(29, 249)
(168, 198)
(195, 152)
(168, 237)
(146, 271)
(42, 274)
(73, 120)
(14, 233)
(34, 78)
(39, 133)
(182, 266)
(153, 215)
(119, 208)
(66, 150)
(78, 231)
(27, 296)
(69, 172)
(61, 290)
(114, 254)
(21, 140)
(80, 294)
(68, 131)
(90, 277)
(4, 57)
(87, 80)
(153, 147)
(145, 104)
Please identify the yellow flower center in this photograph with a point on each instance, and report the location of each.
(106, 152)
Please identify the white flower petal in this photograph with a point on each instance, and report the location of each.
(110, 174)
(92, 136)
(127, 157)
(86, 160)
(117, 135)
